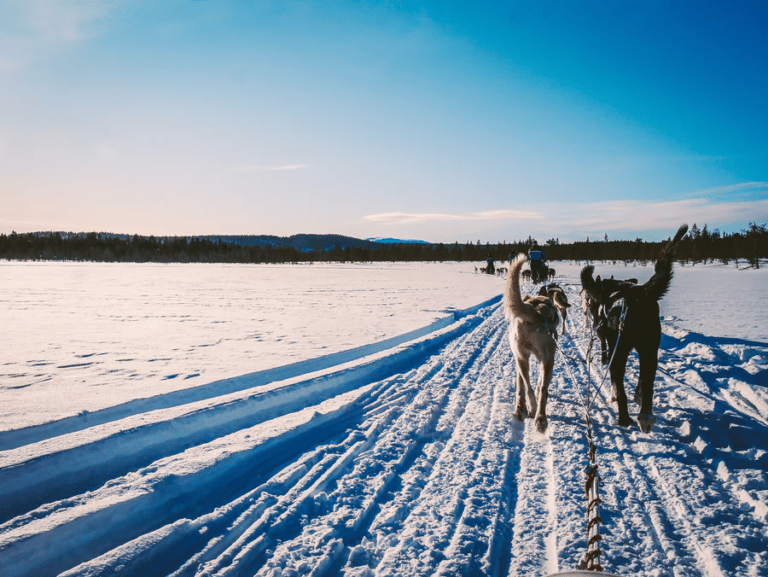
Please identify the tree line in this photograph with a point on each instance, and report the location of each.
(700, 245)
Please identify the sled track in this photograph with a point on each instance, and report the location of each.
(406, 461)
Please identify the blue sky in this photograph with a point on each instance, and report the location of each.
(442, 121)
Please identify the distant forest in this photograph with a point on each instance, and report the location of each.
(700, 245)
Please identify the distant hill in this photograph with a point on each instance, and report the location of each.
(302, 242)
(396, 241)
(699, 245)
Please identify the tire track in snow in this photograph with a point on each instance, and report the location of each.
(432, 521)
(76, 523)
(343, 538)
(483, 529)
(546, 523)
(246, 553)
(534, 547)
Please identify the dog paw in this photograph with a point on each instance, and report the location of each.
(624, 421)
(646, 422)
(541, 424)
(521, 413)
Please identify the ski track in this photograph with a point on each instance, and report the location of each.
(407, 461)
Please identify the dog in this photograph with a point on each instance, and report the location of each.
(600, 322)
(558, 298)
(526, 275)
(551, 273)
(532, 330)
(630, 320)
(592, 309)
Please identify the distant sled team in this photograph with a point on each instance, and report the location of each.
(625, 316)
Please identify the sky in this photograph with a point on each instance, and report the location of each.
(440, 121)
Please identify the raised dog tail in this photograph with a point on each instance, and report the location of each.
(658, 285)
(512, 297)
(589, 283)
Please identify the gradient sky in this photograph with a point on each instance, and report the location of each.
(442, 121)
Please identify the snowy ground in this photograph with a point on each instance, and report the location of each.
(88, 336)
(397, 458)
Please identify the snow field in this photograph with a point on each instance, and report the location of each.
(405, 459)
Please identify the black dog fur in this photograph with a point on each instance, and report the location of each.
(641, 328)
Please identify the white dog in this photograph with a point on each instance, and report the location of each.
(532, 329)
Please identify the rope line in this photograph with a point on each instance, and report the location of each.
(594, 538)
(591, 560)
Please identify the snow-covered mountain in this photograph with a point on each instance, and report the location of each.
(388, 240)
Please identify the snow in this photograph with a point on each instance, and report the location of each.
(88, 336)
(357, 419)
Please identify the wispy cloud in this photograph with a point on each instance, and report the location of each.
(37, 26)
(633, 215)
(261, 167)
(741, 187)
(573, 221)
(423, 217)
(62, 20)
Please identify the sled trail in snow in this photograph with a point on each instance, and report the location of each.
(409, 461)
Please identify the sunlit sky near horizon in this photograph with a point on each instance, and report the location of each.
(440, 121)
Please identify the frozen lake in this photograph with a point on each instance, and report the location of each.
(89, 335)
(353, 459)
(84, 336)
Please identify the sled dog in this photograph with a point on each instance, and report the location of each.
(630, 320)
(558, 298)
(532, 330)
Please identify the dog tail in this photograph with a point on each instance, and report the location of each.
(658, 285)
(589, 284)
(512, 297)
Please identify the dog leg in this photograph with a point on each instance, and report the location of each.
(648, 365)
(617, 369)
(603, 345)
(541, 411)
(521, 411)
(565, 317)
(532, 404)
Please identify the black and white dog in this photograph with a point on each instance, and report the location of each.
(631, 321)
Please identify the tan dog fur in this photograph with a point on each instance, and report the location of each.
(559, 299)
(532, 330)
